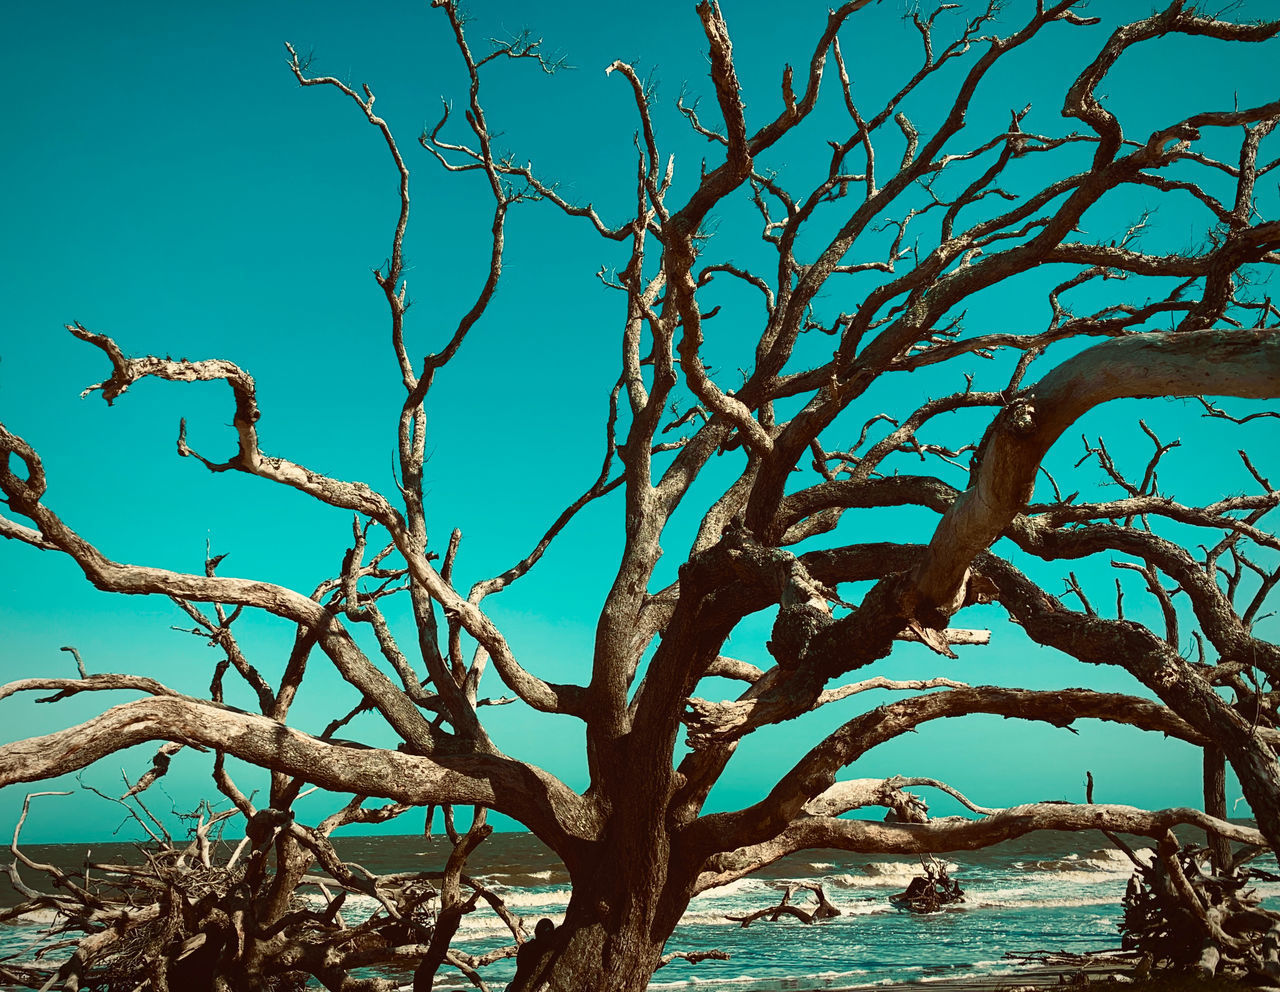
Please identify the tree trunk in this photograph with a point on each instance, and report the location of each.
(622, 910)
(1215, 804)
(595, 951)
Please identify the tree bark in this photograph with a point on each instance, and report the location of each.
(608, 939)
(1215, 804)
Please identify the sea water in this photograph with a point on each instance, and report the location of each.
(1048, 891)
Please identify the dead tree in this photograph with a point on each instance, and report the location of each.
(188, 913)
(929, 892)
(862, 273)
(824, 910)
(1191, 919)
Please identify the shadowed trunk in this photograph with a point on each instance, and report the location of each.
(622, 910)
(1215, 804)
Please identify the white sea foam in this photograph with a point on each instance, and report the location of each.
(39, 916)
(1012, 902)
(535, 897)
(867, 907)
(1080, 876)
(737, 980)
(1111, 860)
(480, 925)
(485, 927)
(730, 889)
(1105, 861)
(961, 975)
(882, 874)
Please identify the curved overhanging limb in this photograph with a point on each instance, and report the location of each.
(1230, 362)
(1234, 362)
(533, 796)
(958, 834)
(1248, 745)
(816, 771)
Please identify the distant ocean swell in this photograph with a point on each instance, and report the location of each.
(1032, 894)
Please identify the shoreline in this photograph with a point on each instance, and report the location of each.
(1104, 972)
(1034, 976)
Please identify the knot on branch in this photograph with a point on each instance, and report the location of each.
(1017, 419)
(707, 722)
(779, 570)
(903, 806)
(1180, 137)
(262, 826)
(793, 630)
(1021, 416)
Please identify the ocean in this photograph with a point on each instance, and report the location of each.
(1049, 891)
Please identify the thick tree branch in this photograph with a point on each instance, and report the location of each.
(489, 780)
(956, 834)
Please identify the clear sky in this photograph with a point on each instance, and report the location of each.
(166, 181)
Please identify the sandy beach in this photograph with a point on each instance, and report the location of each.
(1100, 975)
(1048, 976)
(1103, 973)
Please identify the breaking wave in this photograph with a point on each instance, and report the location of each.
(1053, 891)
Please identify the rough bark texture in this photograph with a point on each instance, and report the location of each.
(1215, 804)
(880, 257)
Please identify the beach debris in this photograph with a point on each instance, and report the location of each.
(929, 892)
(1187, 917)
(693, 957)
(1074, 970)
(191, 910)
(825, 909)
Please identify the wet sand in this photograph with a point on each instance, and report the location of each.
(1039, 977)
(1102, 975)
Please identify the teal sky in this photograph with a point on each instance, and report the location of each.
(166, 181)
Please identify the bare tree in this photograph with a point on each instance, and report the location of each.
(191, 913)
(877, 260)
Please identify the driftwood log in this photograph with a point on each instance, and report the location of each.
(1190, 918)
(824, 910)
(188, 914)
(929, 892)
